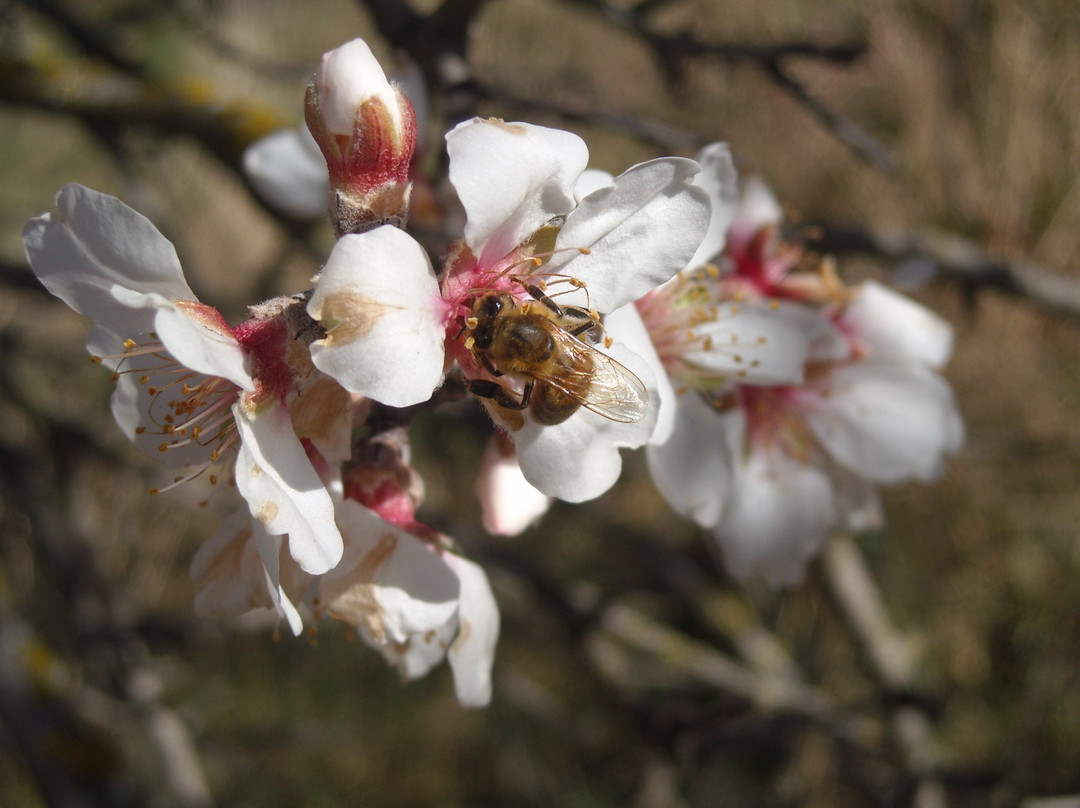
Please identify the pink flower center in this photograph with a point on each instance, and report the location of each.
(774, 420)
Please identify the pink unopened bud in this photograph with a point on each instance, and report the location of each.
(366, 130)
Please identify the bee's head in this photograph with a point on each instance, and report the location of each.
(486, 309)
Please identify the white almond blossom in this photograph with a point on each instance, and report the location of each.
(805, 459)
(191, 389)
(414, 602)
(796, 397)
(528, 238)
(407, 595)
(400, 583)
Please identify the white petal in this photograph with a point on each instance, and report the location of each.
(692, 469)
(511, 179)
(282, 489)
(721, 182)
(395, 589)
(625, 326)
(202, 345)
(414, 590)
(753, 343)
(323, 414)
(269, 548)
(591, 179)
(826, 342)
(888, 324)
(472, 652)
(777, 517)
(288, 171)
(579, 459)
(95, 242)
(379, 301)
(639, 231)
(227, 571)
(194, 333)
(423, 652)
(885, 421)
(238, 570)
(508, 501)
(757, 208)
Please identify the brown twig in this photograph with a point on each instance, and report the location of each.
(958, 259)
(892, 660)
(770, 693)
(673, 50)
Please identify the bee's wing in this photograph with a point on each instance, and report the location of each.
(608, 388)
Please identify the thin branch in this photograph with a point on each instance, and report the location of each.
(111, 101)
(110, 105)
(683, 45)
(857, 139)
(769, 693)
(958, 259)
(672, 51)
(892, 660)
(95, 41)
(661, 135)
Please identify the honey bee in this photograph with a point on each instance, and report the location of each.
(539, 342)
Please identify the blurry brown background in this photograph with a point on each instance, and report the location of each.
(967, 113)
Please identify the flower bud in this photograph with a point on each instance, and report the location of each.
(366, 130)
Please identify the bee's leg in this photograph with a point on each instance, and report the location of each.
(490, 368)
(588, 319)
(542, 297)
(485, 388)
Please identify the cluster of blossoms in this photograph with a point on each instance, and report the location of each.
(587, 313)
(795, 395)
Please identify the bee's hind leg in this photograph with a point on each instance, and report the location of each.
(485, 388)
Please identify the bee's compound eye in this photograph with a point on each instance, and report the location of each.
(493, 305)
